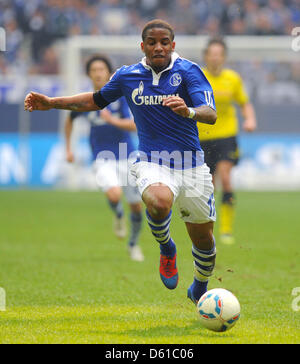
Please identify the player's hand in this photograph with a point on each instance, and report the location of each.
(178, 105)
(106, 115)
(249, 125)
(35, 101)
(70, 157)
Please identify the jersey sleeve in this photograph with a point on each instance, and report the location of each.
(198, 88)
(111, 92)
(240, 94)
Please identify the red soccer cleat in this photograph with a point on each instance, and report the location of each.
(168, 271)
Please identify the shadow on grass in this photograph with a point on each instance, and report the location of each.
(192, 331)
(102, 328)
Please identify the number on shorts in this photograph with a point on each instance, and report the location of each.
(212, 206)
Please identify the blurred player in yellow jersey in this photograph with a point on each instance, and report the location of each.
(219, 141)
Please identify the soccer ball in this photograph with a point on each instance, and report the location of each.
(218, 310)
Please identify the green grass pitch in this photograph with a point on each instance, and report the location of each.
(69, 280)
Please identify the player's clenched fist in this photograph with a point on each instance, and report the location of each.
(36, 101)
(177, 104)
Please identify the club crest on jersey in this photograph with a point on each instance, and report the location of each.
(139, 99)
(175, 80)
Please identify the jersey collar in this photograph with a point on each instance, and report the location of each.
(156, 76)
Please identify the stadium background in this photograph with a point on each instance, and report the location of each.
(38, 33)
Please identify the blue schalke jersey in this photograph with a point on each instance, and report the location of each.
(164, 136)
(106, 137)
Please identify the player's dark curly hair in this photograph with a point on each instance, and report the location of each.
(157, 23)
(98, 57)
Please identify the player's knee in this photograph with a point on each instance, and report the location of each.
(159, 208)
(114, 194)
(159, 203)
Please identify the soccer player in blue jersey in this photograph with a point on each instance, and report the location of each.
(167, 96)
(106, 137)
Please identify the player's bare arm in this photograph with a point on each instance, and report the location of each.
(203, 114)
(80, 102)
(68, 134)
(250, 122)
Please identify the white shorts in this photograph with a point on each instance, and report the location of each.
(192, 188)
(112, 173)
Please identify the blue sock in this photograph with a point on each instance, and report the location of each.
(117, 208)
(168, 249)
(198, 288)
(161, 231)
(136, 225)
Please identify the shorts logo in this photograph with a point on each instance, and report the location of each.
(184, 213)
(143, 182)
(175, 79)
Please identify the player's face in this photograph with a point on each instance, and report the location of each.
(215, 56)
(99, 74)
(158, 47)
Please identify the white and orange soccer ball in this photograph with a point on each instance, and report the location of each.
(218, 310)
